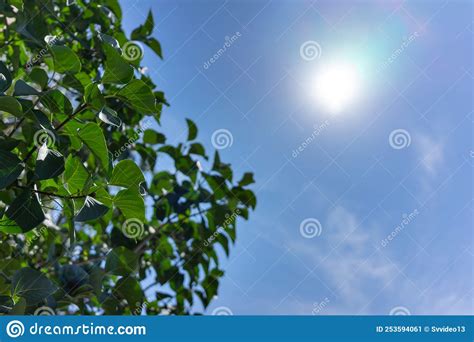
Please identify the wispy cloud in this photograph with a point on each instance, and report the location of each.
(431, 154)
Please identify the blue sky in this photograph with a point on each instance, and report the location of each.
(397, 161)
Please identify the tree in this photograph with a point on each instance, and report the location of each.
(89, 219)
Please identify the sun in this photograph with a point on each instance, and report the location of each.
(337, 86)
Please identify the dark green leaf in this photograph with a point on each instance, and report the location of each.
(26, 211)
(192, 130)
(24, 89)
(39, 76)
(10, 168)
(152, 137)
(154, 45)
(198, 149)
(129, 289)
(144, 30)
(10, 105)
(49, 163)
(56, 102)
(91, 210)
(31, 285)
(247, 179)
(121, 261)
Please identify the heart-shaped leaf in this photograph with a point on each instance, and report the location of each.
(91, 210)
(32, 285)
(127, 174)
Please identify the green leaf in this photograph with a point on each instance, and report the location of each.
(130, 203)
(45, 123)
(17, 3)
(8, 226)
(31, 285)
(192, 130)
(65, 60)
(247, 179)
(49, 163)
(121, 261)
(10, 105)
(149, 24)
(114, 5)
(129, 289)
(91, 134)
(5, 78)
(138, 95)
(154, 45)
(39, 76)
(10, 168)
(93, 96)
(56, 102)
(26, 211)
(127, 174)
(198, 149)
(109, 116)
(92, 210)
(144, 30)
(117, 70)
(75, 175)
(24, 89)
(152, 137)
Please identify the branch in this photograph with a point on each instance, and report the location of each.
(53, 194)
(70, 117)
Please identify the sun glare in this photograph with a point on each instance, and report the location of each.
(337, 86)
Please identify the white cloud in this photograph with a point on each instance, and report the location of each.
(431, 154)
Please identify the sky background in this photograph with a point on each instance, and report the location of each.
(415, 64)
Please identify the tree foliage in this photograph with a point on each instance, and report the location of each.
(90, 220)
